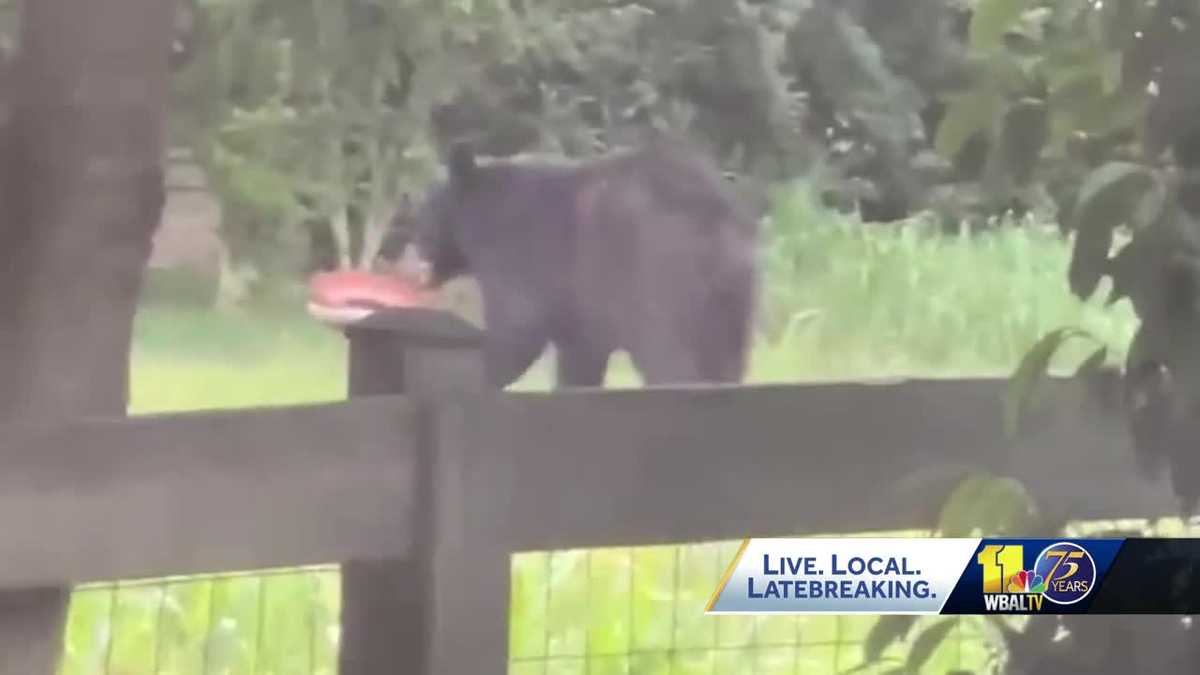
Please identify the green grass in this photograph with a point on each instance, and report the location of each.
(192, 359)
(843, 301)
(846, 299)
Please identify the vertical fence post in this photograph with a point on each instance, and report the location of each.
(444, 610)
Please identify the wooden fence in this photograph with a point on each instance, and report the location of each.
(425, 482)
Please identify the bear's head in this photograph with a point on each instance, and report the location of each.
(423, 240)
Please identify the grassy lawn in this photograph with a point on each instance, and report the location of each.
(846, 301)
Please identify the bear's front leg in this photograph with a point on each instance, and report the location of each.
(515, 336)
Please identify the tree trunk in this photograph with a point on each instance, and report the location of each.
(83, 190)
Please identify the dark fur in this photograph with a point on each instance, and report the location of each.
(645, 251)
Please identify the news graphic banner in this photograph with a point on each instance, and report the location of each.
(961, 576)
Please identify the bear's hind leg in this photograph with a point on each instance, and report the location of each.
(506, 360)
(581, 366)
(508, 354)
(711, 350)
(723, 341)
(666, 360)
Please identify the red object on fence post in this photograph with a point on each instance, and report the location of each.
(348, 296)
(446, 610)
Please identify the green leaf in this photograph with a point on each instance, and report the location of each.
(889, 629)
(923, 492)
(1151, 206)
(1093, 363)
(852, 70)
(1030, 371)
(1027, 33)
(1110, 181)
(1089, 261)
(1113, 194)
(993, 505)
(927, 642)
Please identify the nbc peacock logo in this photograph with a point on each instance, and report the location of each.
(1026, 581)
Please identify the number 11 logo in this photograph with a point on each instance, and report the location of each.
(999, 564)
(1003, 570)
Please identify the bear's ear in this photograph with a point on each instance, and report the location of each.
(461, 164)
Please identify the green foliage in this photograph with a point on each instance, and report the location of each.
(889, 629)
(1029, 372)
(1039, 643)
(853, 90)
(1115, 194)
(319, 114)
(591, 76)
(927, 636)
(992, 20)
(914, 299)
(1057, 88)
(1093, 364)
(314, 115)
(988, 505)
(1107, 87)
(927, 641)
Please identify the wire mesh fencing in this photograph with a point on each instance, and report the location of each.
(637, 611)
(275, 622)
(628, 611)
(641, 611)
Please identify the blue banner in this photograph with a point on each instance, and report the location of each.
(961, 576)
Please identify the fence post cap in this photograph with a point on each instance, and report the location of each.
(420, 325)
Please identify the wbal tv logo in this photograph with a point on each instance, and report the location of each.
(1063, 573)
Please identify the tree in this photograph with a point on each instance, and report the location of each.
(312, 118)
(1097, 102)
(83, 190)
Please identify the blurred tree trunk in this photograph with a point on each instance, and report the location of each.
(83, 192)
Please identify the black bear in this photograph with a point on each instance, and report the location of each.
(646, 251)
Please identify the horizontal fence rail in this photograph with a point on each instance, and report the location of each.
(206, 492)
(180, 494)
(605, 468)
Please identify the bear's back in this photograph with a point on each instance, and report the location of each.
(656, 236)
(643, 250)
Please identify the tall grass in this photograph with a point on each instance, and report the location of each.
(841, 300)
(847, 299)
